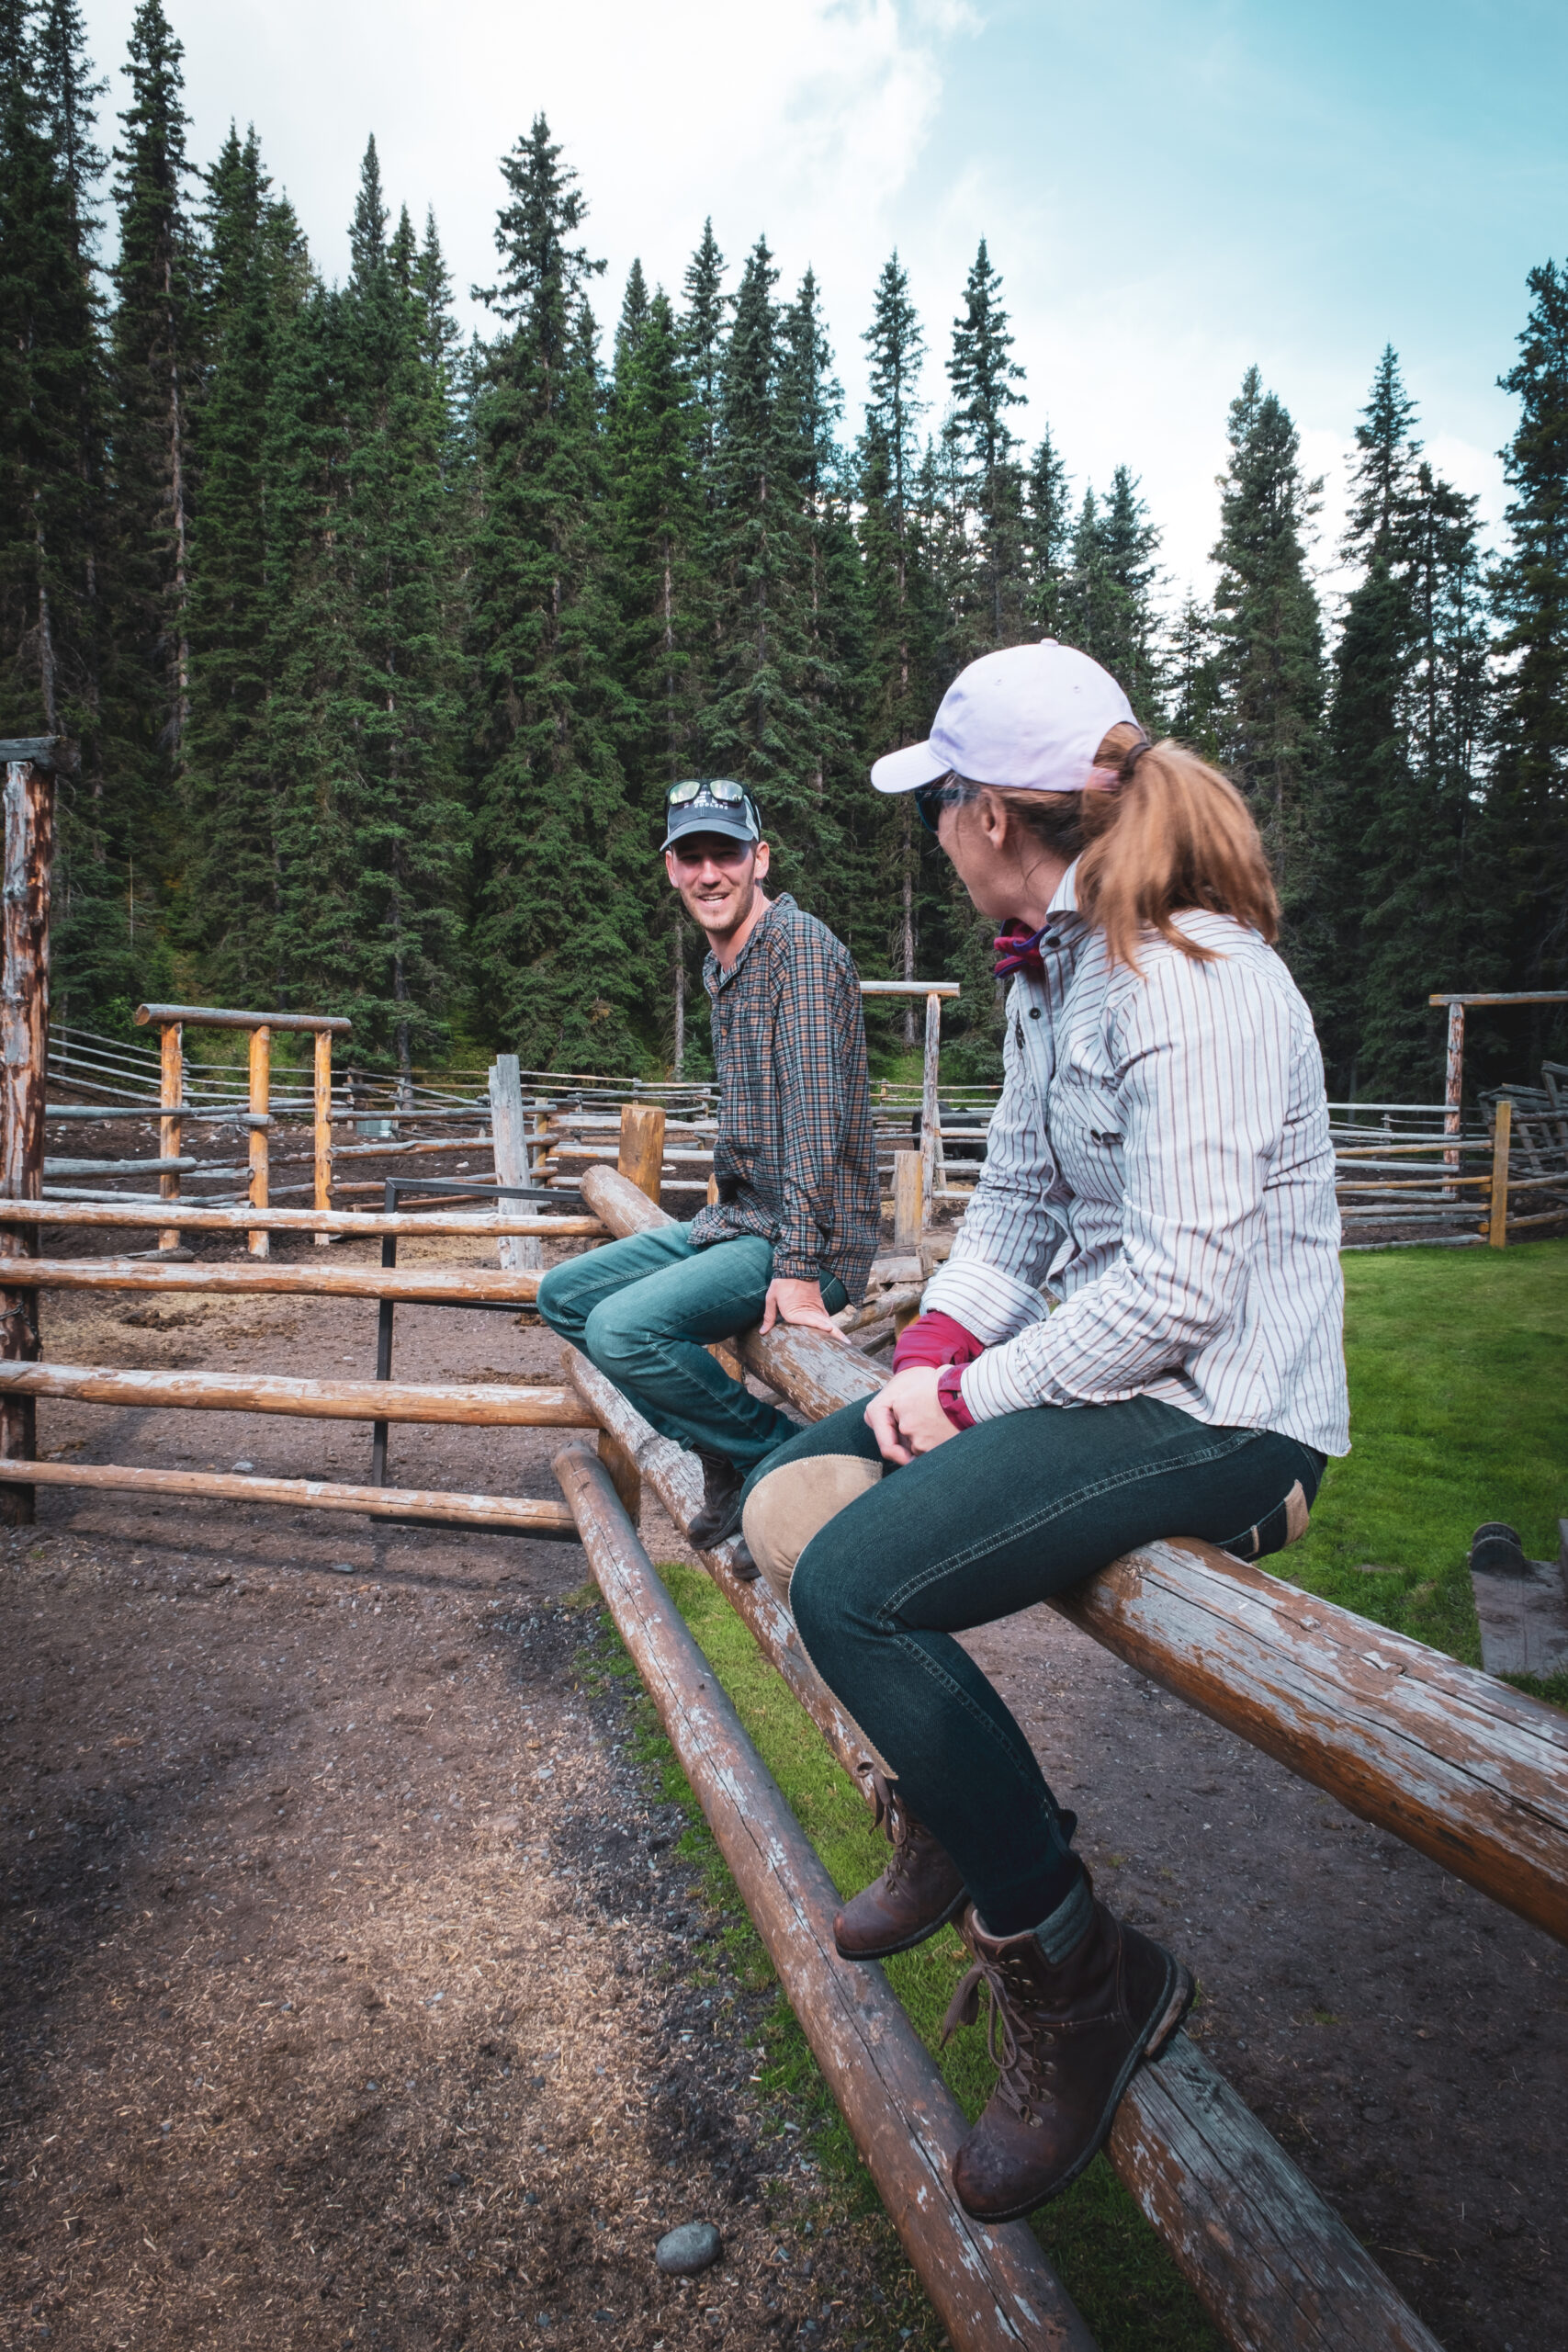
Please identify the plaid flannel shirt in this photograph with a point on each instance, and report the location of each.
(794, 1158)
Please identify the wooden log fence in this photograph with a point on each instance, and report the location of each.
(171, 1021)
(471, 1407)
(1272, 2263)
(408, 1285)
(991, 2286)
(349, 1223)
(496, 1514)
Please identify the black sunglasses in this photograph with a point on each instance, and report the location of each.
(930, 799)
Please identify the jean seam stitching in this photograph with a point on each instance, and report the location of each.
(934, 1671)
(1057, 1509)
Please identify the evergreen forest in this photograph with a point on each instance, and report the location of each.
(381, 648)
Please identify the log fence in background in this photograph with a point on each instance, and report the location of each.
(171, 1021)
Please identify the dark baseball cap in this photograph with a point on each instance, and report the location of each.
(711, 805)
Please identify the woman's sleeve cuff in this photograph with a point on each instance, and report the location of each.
(950, 1397)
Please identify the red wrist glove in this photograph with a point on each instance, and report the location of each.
(935, 1339)
(950, 1397)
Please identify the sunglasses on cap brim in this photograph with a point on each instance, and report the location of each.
(719, 789)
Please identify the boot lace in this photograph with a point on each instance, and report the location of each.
(891, 1815)
(1014, 2040)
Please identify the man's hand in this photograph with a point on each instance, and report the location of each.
(906, 1417)
(800, 1303)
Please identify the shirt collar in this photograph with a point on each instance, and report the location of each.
(1017, 950)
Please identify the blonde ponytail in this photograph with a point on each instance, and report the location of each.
(1173, 834)
(1168, 832)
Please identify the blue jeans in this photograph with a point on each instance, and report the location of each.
(643, 1310)
(1001, 1517)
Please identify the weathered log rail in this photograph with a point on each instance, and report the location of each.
(992, 2288)
(496, 1514)
(348, 1224)
(1272, 2263)
(408, 1285)
(318, 1400)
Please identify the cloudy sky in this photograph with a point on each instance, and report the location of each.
(1171, 192)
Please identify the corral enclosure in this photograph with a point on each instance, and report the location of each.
(1443, 1761)
(524, 1910)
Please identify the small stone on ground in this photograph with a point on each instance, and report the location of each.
(694, 2247)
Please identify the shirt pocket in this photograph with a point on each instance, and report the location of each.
(1086, 1130)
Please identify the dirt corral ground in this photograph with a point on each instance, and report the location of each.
(355, 1994)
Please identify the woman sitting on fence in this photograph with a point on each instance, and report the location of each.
(1137, 1335)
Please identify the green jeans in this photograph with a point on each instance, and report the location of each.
(1002, 1516)
(644, 1310)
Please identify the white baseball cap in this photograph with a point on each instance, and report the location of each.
(1033, 716)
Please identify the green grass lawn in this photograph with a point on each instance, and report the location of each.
(1459, 1393)
(1458, 1412)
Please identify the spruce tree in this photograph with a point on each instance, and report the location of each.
(811, 402)
(402, 818)
(1528, 801)
(1194, 680)
(158, 371)
(227, 908)
(1269, 630)
(702, 337)
(1430, 884)
(1047, 535)
(760, 724)
(1105, 599)
(899, 680)
(1368, 772)
(559, 952)
(53, 470)
(660, 590)
(49, 377)
(983, 373)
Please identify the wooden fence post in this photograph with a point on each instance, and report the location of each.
(30, 764)
(934, 1170)
(1502, 1136)
(908, 1199)
(1453, 1085)
(322, 1108)
(510, 1151)
(641, 1156)
(171, 1083)
(261, 1097)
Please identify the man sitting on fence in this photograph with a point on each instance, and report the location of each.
(791, 1236)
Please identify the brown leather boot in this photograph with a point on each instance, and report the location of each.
(1067, 2040)
(918, 1893)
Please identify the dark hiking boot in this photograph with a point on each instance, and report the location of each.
(918, 1893)
(1067, 2040)
(719, 1517)
(741, 1563)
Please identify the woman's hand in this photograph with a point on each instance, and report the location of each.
(905, 1418)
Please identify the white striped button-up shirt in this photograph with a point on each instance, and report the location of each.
(1156, 1212)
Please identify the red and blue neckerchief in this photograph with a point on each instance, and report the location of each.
(1018, 951)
